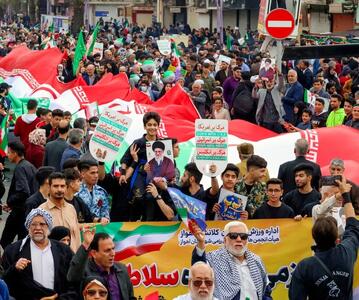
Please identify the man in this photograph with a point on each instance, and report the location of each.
(95, 197)
(42, 178)
(337, 167)
(239, 273)
(307, 77)
(318, 89)
(5, 102)
(73, 182)
(293, 93)
(63, 213)
(329, 273)
(73, 149)
(269, 112)
(90, 76)
(160, 165)
(191, 182)
(252, 185)
(319, 118)
(304, 194)
(274, 208)
(223, 73)
(55, 149)
(286, 170)
(95, 257)
(36, 267)
(230, 85)
(354, 122)
(23, 185)
(337, 114)
(51, 127)
(199, 98)
(27, 123)
(200, 283)
(245, 151)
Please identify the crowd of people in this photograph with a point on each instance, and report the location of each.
(57, 186)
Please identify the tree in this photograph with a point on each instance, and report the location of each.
(78, 18)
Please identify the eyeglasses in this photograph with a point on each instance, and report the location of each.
(102, 293)
(34, 225)
(198, 283)
(235, 235)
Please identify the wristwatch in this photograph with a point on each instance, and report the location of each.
(158, 197)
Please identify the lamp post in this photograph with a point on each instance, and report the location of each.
(219, 4)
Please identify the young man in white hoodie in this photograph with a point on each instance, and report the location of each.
(27, 123)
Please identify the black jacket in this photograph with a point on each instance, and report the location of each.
(23, 184)
(53, 153)
(81, 267)
(311, 280)
(21, 284)
(286, 173)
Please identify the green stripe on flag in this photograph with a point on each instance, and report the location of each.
(4, 134)
(147, 229)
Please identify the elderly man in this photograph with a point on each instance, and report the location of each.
(89, 76)
(239, 273)
(200, 283)
(36, 267)
(198, 97)
(293, 93)
(337, 168)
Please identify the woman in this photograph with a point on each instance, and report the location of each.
(36, 150)
(94, 288)
(298, 111)
(165, 89)
(61, 234)
(218, 110)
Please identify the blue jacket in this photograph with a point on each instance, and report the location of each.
(293, 94)
(70, 152)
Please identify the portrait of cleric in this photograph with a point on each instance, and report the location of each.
(160, 160)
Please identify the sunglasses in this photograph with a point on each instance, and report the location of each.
(198, 283)
(235, 235)
(94, 292)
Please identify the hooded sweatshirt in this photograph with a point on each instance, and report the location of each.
(24, 125)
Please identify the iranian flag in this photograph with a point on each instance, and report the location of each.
(3, 138)
(24, 70)
(143, 239)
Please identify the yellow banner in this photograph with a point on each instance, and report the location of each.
(281, 244)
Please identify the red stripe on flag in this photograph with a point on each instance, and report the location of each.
(136, 251)
(152, 296)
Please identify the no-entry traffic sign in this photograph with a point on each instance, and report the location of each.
(280, 23)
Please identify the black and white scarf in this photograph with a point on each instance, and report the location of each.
(227, 280)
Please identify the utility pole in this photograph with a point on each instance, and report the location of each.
(219, 4)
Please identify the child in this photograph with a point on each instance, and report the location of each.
(306, 121)
(133, 163)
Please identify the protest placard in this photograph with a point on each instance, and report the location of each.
(164, 46)
(211, 145)
(231, 205)
(109, 134)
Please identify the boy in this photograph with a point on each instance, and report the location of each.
(133, 164)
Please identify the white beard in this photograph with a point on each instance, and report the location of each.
(235, 252)
(198, 297)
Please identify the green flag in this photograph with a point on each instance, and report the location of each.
(91, 41)
(52, 27)
(4, 132)
(80, 51)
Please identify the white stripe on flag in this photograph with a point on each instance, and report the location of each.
(138, 240)
(280, 24)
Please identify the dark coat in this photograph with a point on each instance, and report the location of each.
(53, 153)
(81, 267)
(286, 174)
(21, 283)
(293, 94)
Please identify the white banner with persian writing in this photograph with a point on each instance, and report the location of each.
(109, 135)
(211, 145)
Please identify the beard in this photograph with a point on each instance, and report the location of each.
(197, 296)
(236, 252)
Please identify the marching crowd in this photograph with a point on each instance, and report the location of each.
(57, 186)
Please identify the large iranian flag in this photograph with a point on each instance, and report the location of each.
(143, 239)
(34, 73)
